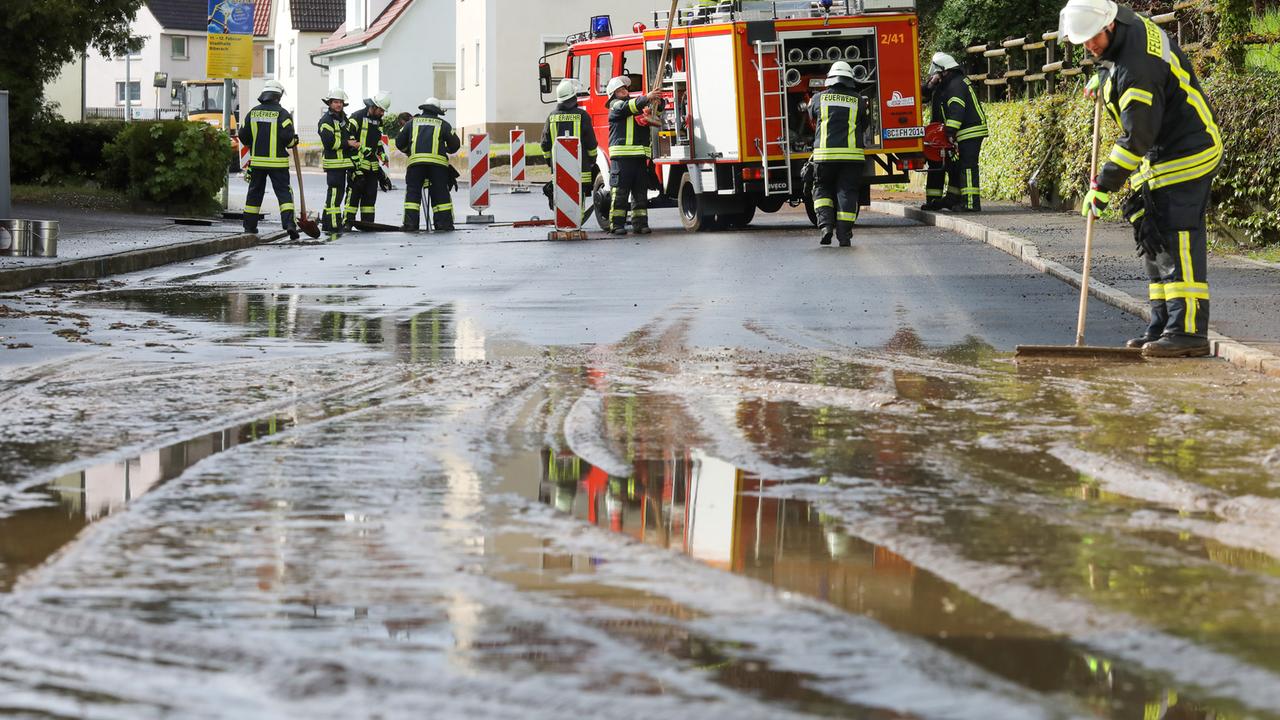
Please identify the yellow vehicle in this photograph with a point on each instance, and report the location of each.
(202, 101)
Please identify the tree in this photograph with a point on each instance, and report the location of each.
(957, 24)
(42, 36)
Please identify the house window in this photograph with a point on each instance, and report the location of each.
(178, 47)
(135, 92)
(604, 72)
(446, 87)
(364, 82)
(476, 82)
(269, 62)
(552, 45)
(342, 78)
(293, 59)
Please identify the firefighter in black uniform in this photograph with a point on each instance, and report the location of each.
(269, 134)
(339, 144)
(629, 152)
(1169, 150)
(840, 112)
(955, 104)
(428, 140)
(570, 120)
(368, 175)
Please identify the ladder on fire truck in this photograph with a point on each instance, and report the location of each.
(773, 85)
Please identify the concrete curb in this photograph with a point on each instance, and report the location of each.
(102, 266)
(1233, 351)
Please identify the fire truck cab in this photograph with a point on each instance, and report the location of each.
(735, 134)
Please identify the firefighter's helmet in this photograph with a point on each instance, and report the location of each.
(942, 62)
(1080, 20)
(272, 90)
(432, 105)
(566, 89)
(622, 81)
(335, 94)
(839, 70)
(382, 100)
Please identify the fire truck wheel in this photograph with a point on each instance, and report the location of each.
(771, 203)
(603, 202)
(808, 209)
(692, 215)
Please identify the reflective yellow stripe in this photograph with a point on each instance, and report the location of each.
(629, 151)
(847, 217)
(1156, 291)
(971, 133)
(1133, 95)
(823, 154)
(823, 203)
(1124, 158)
(954, 124)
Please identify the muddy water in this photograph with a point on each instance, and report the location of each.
(901, 533)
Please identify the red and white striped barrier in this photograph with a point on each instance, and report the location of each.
(517, 156)
(244, 156)
(566, 155)
(479, 162)
(386, 152)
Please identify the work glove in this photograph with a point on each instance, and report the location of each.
(384, 183)
(1095, 201)
(1094, 85)
(293, 142)
(248, 174)
(549, 190)
(453, 179)
(357, 175)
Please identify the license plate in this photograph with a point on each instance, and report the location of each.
(904, 133)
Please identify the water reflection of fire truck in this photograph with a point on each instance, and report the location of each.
(736, 134)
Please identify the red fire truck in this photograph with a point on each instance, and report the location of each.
(736, 135)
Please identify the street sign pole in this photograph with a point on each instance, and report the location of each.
(229, 55)
(6, 198)
(226, 125)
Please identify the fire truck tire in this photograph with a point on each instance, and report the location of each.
(742, 219)
(771, 203)
(603, 202)
(692, 213)
(808, 209)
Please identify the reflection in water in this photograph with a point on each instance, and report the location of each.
(706, 508)
(77, 499)
(423, 336)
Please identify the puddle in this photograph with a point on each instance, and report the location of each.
(692, 503)
(73, 501)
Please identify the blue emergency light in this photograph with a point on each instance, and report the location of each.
(601, 26)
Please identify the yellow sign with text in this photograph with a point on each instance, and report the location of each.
(229, 56)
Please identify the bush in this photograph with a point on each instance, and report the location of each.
(1246, 192)
(60, 151)
(961, 23)
(171, 163)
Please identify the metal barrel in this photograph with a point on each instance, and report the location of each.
(835, 54)
(44, 238)
(816, 55)
(852, 53)
(15, 237)
(795, 55)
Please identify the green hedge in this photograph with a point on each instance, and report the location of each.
(1246, 193)
(171, 163)
(62, 151)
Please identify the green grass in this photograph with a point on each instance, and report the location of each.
(1265, 57)
(85, 197)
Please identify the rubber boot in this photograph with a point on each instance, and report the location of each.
(1138, 342)
(641, 227)
(1178, 346)
(932, 205)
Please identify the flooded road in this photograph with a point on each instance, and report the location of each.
(245, 498)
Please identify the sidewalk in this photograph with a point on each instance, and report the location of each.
(1245, 292)
(96, 243)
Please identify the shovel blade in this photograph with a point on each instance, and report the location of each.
(1088, 353)
(309, 226)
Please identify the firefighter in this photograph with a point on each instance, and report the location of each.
(339, 153)
(368, 175)
(629, 153)
(955, 103)
(569, 120)
(1170, 137)
(840, 112)
(428, 140)
(269, 133)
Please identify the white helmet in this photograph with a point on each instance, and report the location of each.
(383, 100)
(622, 81)
(566, 89)
(336, 94)
(432, 104)
(942, 61)
(1080, 20)
(273, 86)
(839, 69)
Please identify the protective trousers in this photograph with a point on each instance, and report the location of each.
(258, 188)
(436, 179)
(1179, 273)
(835, 196)
(957, 179)
(629, 177)
(362, 197)
(336, 179)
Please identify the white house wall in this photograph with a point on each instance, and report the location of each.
(476, 26)
(102, 73)
(304, 83)
(422, 38)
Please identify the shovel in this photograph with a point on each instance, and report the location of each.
(1080, 351)
(307, 225)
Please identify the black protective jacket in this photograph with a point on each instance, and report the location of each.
(570, 120)
(627, 137)
(1169, 128)
(268, 132)
(954, 102)
(840, 113)
(335, 131)
(368, 131)
(428, 139)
